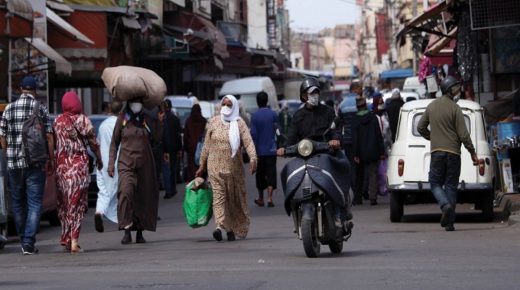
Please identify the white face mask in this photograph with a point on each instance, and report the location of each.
(314, 100)
(381, 107)
(136, 107)
(226, 111)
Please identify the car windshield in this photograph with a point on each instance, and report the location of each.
(249, 102)
(183, 114)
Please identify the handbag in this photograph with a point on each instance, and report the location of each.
(198, 151)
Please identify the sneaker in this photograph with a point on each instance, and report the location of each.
(448, 215)
(29, 250)
(449, 228)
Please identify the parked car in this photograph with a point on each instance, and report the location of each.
(413, 84)
(181, 106)
(209, 108)
(409, 162)
(407, 96)
(3, 200)
(245, 90)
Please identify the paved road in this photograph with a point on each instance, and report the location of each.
(414, 254)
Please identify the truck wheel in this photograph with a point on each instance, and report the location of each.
(487, 206)
(396, 207)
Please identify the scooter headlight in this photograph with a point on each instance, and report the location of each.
(305, 148)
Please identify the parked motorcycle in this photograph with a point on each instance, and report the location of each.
(316, 187)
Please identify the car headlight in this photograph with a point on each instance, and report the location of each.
(305, 148)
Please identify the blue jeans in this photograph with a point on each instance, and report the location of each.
(26, 189)
(444, 177)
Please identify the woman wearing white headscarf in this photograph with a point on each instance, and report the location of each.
(221, 157)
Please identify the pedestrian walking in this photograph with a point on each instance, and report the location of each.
(447, 132)
(367, 148)
(393, 109)
(172, 142)
(26, 179)
(222, 158)
(384, 125)
(284, 121)
(73, 132)
(264, 124)
(193, 134)
(138, 192)
(106, 204)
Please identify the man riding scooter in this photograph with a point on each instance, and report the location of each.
(313, 121)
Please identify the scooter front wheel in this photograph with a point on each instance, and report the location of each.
(336, 247)
(311, 245)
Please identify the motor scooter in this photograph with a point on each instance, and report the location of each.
(316, 187)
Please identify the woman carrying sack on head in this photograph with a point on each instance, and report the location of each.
(72, 131)
(222, 159)
(138, 191)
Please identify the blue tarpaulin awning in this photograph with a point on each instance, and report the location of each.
(396, 73)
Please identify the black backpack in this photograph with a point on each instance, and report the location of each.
(34, 139)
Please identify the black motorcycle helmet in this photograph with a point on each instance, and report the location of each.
(447, 83)
(306, 84)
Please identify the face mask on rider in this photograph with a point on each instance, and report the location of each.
(381, 107)
(136, 107)
(314, 99)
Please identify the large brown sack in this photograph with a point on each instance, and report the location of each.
(128, 82)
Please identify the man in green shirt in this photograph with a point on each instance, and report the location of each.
(447, 132)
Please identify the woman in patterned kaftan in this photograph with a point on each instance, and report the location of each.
(221, 157)
(73, 132)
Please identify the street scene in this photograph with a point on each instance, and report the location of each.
(414, 254)
(259, 144)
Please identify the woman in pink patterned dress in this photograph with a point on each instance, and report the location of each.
(73, 131)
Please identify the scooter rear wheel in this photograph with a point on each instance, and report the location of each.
(311, 245)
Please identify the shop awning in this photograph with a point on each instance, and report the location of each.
(16, 19)
(198, 31)
(59, 6)
(62, 65)
(396, 73)
(443, 44)
(65, 26)
(21, 8)
(131, 23)
(431, 21)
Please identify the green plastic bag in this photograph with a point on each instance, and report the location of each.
(198, 205)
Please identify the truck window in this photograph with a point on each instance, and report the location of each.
(418, 116)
